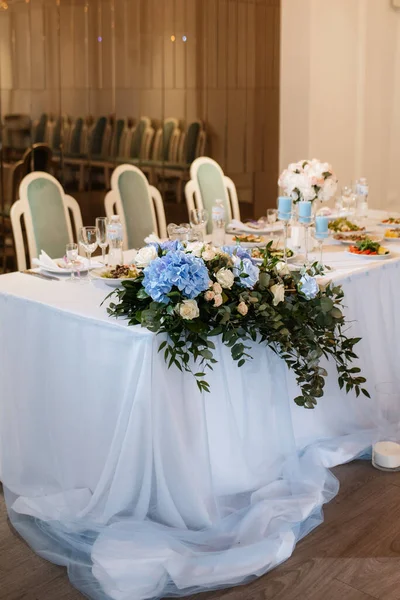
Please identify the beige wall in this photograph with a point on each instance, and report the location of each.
(340, 90)
(226, 73)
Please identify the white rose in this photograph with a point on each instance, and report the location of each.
(209, 295)
(218, 300)
(282, 269)
(217, 288)
(225, 278)
(189, 310)
(145, 255)
(195, 248)
(278, 291)
(242, 308)
(208, 254)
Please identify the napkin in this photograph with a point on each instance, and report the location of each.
(45, 262)
(152, 238)
(236, 225)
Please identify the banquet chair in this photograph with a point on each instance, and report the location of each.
(45, 209)
(138, 204)
(208, 183)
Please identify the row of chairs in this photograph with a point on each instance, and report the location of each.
(163, 151)
(46, 209)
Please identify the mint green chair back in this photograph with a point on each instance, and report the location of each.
(76, 138)
(167, 131)
(134, 194)
(40, 131)
(192, 136)
(137, 139)
(212, 187)
(48, 217)
(97, 136)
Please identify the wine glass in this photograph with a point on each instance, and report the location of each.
(272, 215)
(102, 239)
(88, 239)
(199, 220)
(71, 252)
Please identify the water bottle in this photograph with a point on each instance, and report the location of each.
(362, 191)
(115, 240)
(218, 223)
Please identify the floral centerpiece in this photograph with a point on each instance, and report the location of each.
(308, 180)
(195, 292)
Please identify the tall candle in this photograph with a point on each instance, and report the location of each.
(321, 226)
(284, 208)
(304, 212)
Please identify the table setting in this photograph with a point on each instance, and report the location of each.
(200, 389)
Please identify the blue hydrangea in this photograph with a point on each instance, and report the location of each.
(247, 266)
(168, 246)
(308, 286)
(236, 251)
(176, 269)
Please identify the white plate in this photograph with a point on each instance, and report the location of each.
(391, 239)
(371, 256)
(389, 225)
(96, 273)
(265, 230)
(352, 242)
(62, 270)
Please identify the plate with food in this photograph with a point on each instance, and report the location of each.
(257, 254)
(114, 276)
(392, 235)
(369, 249)
(392, 222)
(344, 226)
(250, 240)
(353, 238)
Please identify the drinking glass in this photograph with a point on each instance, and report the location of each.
(178, 232)
(102, 239)
(272, 215)
(88, 239)
(198, 220)
(71, 252)
(388, 402)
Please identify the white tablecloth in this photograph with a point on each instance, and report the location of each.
(119, 469)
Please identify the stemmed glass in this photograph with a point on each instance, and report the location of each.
(71, 252)
(101, 236)
(88, 239)
(272, 215)
(199, 220)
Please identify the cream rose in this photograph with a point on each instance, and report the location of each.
(225, 278)
(282, 269)
(278, 291)
(217, 288)
(218, 300)
(208, 254)
(145, 255)
(189, 310)
(209, 295)
(242, 308)
(195, 248)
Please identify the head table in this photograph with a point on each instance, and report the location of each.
(119, 469)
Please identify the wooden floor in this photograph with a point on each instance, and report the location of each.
(354, 555)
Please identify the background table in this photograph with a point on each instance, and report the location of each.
(119, 468)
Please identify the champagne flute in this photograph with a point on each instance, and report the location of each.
(88, 239)
(102, 239)
(71, 252)
(198, 220)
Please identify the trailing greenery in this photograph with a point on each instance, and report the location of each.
(286, 310)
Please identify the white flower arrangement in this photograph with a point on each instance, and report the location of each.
(308, 180)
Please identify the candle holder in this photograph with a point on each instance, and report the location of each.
(284, 215)
(320, 237)
(305, 218)
(321, 233)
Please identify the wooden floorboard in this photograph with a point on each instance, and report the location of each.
(354, 555)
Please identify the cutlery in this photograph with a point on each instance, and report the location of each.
(49, 277)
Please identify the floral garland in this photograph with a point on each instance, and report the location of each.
(194, 292)
(308, 180)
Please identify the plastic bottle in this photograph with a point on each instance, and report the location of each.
(362, 191)
(115, 240)
(218, 223)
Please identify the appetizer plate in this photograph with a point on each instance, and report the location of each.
(98, 274)
(61, 270)
(350, 242)
(392, 239)
(258, 261)
(371, 256)
(389, 225)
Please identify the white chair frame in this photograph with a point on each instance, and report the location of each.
(21, 208)
(113, 203)
(192, 189)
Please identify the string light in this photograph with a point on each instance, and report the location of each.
(173, 38)
(184, 38)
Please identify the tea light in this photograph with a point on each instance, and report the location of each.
(304, 211)
(321, 227)
(386, 455)
(284, 208)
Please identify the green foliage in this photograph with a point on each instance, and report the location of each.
(301, 331)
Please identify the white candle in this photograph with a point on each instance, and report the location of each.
(386, 455)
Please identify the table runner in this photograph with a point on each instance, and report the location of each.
(117, 468)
